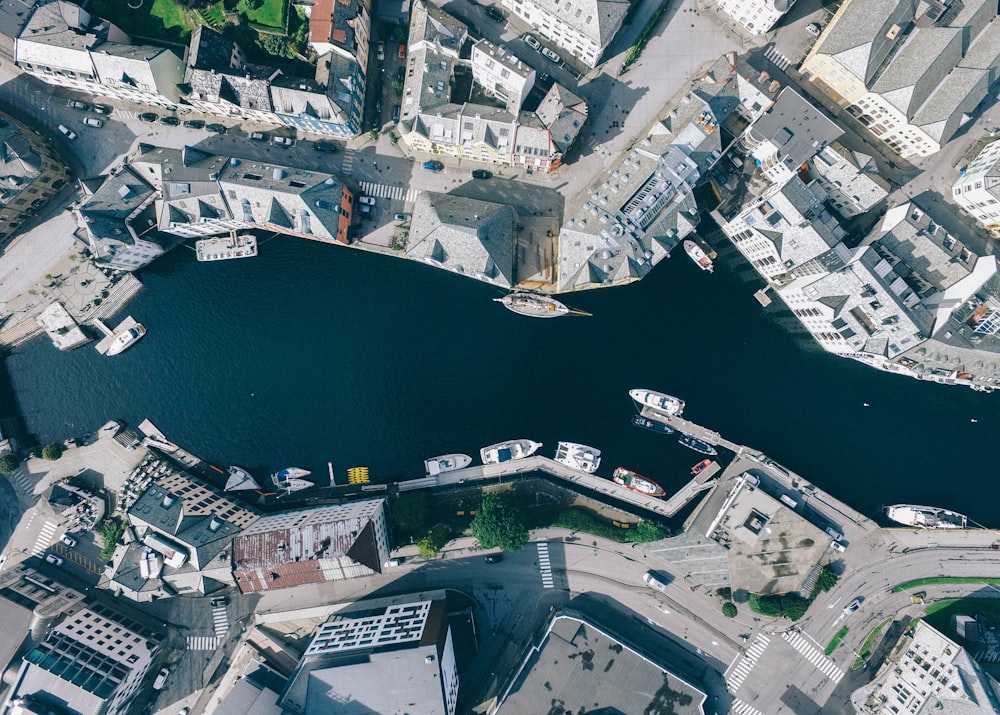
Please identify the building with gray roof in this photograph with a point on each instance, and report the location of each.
(915, 74)
(583, 28)
(467, 236)
(357, 651)
(850, 179)
(64, 45)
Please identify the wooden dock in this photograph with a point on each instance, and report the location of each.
(109, 335)
(697, 431)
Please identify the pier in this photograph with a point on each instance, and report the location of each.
(697, 431)
(109, 336)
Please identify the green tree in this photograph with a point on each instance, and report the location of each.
(275, 45)
(397, 87)
(765, 605)
(647, 530)
(433, 541)
(8, 463)
(410, 514)
(498, 524)
(827, 580)
(111, 531)
(729, 609)
(52, 451)
(794, 607)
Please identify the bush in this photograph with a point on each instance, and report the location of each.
(794, 607)
(111, 531)
(498, 524)
(433, 541)
(827, 580)
(765, 605)
(729, 609)
(52, 451)
(8, 463)
(647, 530)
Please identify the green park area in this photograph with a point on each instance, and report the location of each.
(932, 580)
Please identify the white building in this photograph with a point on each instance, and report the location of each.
(978, 189)
(501, 74)
(756, 16)
(583, 28)
(849, 178)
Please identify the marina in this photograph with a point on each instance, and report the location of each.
(228, 248)
(127, 334)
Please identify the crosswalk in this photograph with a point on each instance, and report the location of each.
(746, 663)
(742, 708)
(44, 539)
(811, 653)
(125, 114)
(385, 191)
(777, 58)
(347, 165)
(220, 621)
(20, 480)
(544, 565)
(202, 642)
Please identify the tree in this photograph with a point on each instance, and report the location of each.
(794, 607)
(729, 609)
(52, 451)
(498, 524)
(433, 541)
(397, 87)
(8, 463)
(827, 580)
(647, 530)
(111, 531)
(275, 45)
(410, 514)
(765, 605)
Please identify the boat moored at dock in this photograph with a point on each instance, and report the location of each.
(240, 479)
(698, 255)
(446, 463)
(224, 249)
(637, 483)
(578, 456)
(533, 305)
(697, 445)
(652, 425)
(126, 339)
(700, 467)
(506, 451)
(292, 479)
(926, 517)
(659, 401)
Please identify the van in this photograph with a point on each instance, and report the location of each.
(653, 580)
(788, 501)
(834, 534)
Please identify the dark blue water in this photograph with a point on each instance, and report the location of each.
(313, 352)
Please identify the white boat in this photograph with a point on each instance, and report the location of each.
(506, 451)
(291, 479)
(533, 306)
(126, 339)
(446, 463)
(224, 249)
(667, 404)
(578, 456)
(926, 517)
(240, 479)
(697, 255)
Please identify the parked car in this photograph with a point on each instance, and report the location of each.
(257, 136)
(365, 208)
(53, 559)
(102, 109)
(400, 73)
(283, 141)
(68, 540)
(434, 166)
(494, 558)
(370, 200)
(381, 51)
(328, 147)
(395, 112)
(216, 128)
(170, 121)
(184, 711)
(482, 174)
(148, 117)
(532, 42)
(852, 606)
(813, 29)
(392, 563)
(161, 679)
(67, 131)
(550, 55)
(77, 104)
(494, 14)
(219, 602)
(91, 122)
(401, 53)
(400, 218)
(194, 124)
(838, 546)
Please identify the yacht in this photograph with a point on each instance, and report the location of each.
(697, 445)
(506, 451)
(533, 305)
(697, 255)
(652, 425)
(446, 463)
(578, 456)
(667, 404)
(126, 339)
(240, 479)
(291, 479)
(926, 517)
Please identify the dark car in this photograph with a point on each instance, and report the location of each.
(494, 558)
(102, 109)
(482, 174)
(434, 166)
(194, 124)
(216, 128)
(395, 112)
(148, 117)
(328, 147)
(220, 602)
(400, 74)
(494, 14)
(170, 121)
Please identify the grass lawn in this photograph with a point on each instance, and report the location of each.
(162, 19)
(215, 14)
(832, 645)
(939, 614)
(869, 644)
(271, 13)
(995, 581)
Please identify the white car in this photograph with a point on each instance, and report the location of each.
(161, 679)
(367, 200)
(381, 51)
(68, 540)
(284, 141)
(550, 55)
(91, 122)
(67, 131)
(532, 43)
(852, 606)
(813, 29)
(53, 559)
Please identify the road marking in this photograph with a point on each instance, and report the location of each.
(742, 708)
(399, 193)
(825, 665)
(347, 166)
(19, 478)
(544, 565)
(777, 58)
(220, 620)
(744, 664)
(835, 602)
(125, 114)
(202, 642)
(44, 539)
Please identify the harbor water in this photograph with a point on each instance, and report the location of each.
(312, 353)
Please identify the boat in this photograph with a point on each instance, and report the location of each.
(697, 445)
(652, 425)
(240, 479)
(291, 479)
(667, 404)
(446, 463)
(700, 467)
(697, 255)
(126, 339)
(532, 305)
(926, 517)
(578, 456)
(224, 249)
(506, 451)
(637, 483)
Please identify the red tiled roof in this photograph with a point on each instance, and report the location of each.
(321, 21)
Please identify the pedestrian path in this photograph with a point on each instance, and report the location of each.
(347, 166)
(401, 193)
(125, 113)
(202, 642)
(220, 619)
(777, 58)
(742, 708)
(746, 663)
(44, 539)
(811, 653)
(544, 565)
(20, 480)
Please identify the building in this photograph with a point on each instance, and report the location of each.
(327, 543)
(849, 178)
(978, 188)
(501, 74)
(467, 236)
(340, 34)
(756, 16)
(927, 672)
(92, 663)
(66, 46)
(30, 174)
(354, 654)
(579, 666)
(912, 74)
(583, 28)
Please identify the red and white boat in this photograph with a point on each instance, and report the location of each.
(700, 466)
(637, 483)
(699, 256)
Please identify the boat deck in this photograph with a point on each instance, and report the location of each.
(105, 342)
(222, 249)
